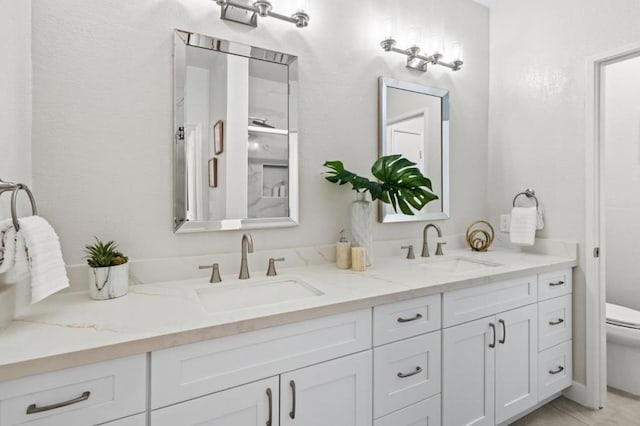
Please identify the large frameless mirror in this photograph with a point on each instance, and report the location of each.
(414, 122)
(236, 136)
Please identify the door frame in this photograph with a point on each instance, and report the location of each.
(596, 334)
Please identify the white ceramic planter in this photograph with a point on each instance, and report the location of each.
(109, 282)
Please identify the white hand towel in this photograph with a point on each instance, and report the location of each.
(5, 225)
(9, 254)
(20, 269)
(523, 225)
(48, 273)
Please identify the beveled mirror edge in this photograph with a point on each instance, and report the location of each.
(383, 84)
(180, 226)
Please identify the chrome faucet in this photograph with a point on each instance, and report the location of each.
(247, 247)
(425, 246)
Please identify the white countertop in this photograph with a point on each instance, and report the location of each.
(68, 330)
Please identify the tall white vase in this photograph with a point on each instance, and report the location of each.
(362, 225)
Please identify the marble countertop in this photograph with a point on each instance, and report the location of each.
(68, 330)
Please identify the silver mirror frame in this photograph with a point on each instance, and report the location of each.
(182, 39)
(384, 84)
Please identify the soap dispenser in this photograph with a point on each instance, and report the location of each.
(343, 252)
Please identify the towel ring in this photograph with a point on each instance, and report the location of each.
(15, 188)
(529, 193)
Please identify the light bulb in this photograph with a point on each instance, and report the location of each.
(457, 51)
(435, 44)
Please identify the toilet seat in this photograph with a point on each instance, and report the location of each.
(622, 316)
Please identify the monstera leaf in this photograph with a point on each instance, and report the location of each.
(401, 184)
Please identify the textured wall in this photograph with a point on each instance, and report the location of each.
(15, 95)
(622, 173)
(102, 120)
(539, 52)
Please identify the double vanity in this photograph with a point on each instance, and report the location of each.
(464, 338)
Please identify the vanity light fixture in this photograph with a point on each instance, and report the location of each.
(248, 13)
(419, 62)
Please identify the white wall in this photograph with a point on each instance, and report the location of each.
(15, 96)
(102, 121)
(539, 50)
(622, 176)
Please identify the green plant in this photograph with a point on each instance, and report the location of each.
(100, 254)
(401, 184)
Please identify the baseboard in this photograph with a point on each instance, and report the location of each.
(578, 393)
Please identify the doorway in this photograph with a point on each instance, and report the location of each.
(602, 199)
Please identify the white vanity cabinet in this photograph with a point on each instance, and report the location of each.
(406, 362)
(315, 372)
(253, 404)
(490, 364)
(86, 395)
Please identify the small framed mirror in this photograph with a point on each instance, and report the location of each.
(414, 122)
(236, 136)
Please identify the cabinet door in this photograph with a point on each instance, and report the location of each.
(253, 404)
(468, 373)
(336, 393)
(516, 362)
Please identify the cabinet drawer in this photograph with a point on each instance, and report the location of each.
(484, 300)
(397, 321)
(424, 413)
(85, 395)
(554, 321)
(554, 284)
(405, 372)
(190, 371)
(555, 371)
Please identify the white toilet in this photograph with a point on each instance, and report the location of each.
(623, 348)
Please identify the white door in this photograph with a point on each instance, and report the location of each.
(516, 362)
(335, 393)
(468, 355)
(254, 404)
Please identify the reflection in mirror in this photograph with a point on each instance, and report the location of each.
(235, 151)
(414, 122)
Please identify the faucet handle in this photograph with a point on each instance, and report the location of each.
(410, 253)
(215, 273)
(271, 270)
(439, 248)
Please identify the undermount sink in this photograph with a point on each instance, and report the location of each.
(239, 295)
(457, 265)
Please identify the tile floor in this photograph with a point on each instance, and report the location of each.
(622, 410)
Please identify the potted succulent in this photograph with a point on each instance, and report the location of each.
(109, 273)
(399, 183)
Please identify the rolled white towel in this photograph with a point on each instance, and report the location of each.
(48, 273)
(523, 225)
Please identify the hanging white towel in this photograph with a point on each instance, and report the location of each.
(9, 253)
(20, 269)
(523, 225)
(540, 217)
(48, 273)
(5, 225)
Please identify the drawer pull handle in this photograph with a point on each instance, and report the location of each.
(292, 413)
(558, 321)
(33, 409)
(415, 318)
(557, 283)
(493, 329)
(413, 373)
(504, 332)
(559, 370)
(270, 396)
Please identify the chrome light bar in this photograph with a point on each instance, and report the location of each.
(417, 61)
(248, 13)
